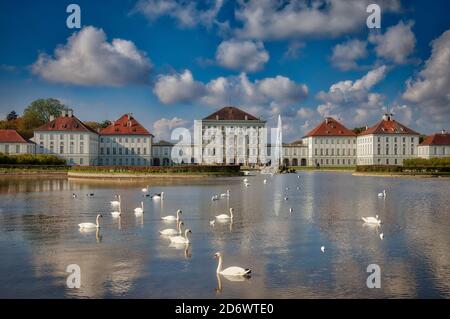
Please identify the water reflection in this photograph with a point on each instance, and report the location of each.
(127, 257)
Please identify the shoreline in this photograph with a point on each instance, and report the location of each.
(385, 174)
(164, 175)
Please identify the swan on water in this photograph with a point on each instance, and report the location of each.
(225, 216)
(172, 231)
(230, 271)
(291, 210)
(285, 198)
(322, 248)
(381, 236)
(158, 196)
(115, 202)
(139, 210)
(172, 217)
(245, 180)
(247, 184)
(212, 222)
(146, 189)
(119, 212)
(372, 220)
(227, 194)
(181, 239)
(265, 181)
(382, 194)
(91, 225)
(74, 195)
(215, 197)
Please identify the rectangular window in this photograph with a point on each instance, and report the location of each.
(101, 150)
(107, 151)
(17, 149)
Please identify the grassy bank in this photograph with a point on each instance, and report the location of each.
(324, 168)
(228, 170)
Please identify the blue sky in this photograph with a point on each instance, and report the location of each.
(177, 61)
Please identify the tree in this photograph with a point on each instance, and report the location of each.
(358, 130)
(39, 112)
(12, 116)
(97, 126)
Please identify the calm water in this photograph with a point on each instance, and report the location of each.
(39, 237)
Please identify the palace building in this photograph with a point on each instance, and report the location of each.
(67, 137)
(12, 143)
(125, 142)
(331, 144)
(230, 136)
(387, 143)
(436, 145)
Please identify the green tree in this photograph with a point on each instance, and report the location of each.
(358, 130)
(39, 112)
(12, 116)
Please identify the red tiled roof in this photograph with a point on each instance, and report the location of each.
(388, 126)
(125, 125)
(330, 127)
(437, 139)
(65, 123)
(231, 113)
(11, 136)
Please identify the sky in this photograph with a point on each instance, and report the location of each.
(173, 61)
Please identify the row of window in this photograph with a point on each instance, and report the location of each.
(387, 139)
(335, 162)
(52, 137)
(122, 151)
(331, 152)
(123, 139)
(337, 141)
(62, 149)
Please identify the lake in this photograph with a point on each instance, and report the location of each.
(128, 258)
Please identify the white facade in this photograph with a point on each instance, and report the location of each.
(17, 148)
(68, 138)
(331, 150)
(162, 154)
(77, 148)
(391, 149)
(295, 154)
(126, 150)
(430, 151)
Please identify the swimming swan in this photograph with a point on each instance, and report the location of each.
(383, 194)
(139, 210)
(90, 225)
(171, 217)
(158, 196)
(181, 239)
(115, 202)
(146, 189)
(372, 220)
(230, 271)
(225, 216)
(171, 231)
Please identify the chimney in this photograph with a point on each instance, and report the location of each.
(69, 112)
(326, 120)
(246, 117)
(443, 132)
(217, 117)
(52, 118)
(386, 117)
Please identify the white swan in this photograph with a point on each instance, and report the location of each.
(115, 202)
(215, 197)
(291, 210)
(171, 217)
(139, 210)
(246, 184)
(322, 248)
(119, 212)
(372, 220)
(381, 236)
(171, 231)
(225, 216)
(146, 189)
(265, 181)
(383, 194)
(91, 225)
(245, 180)
(158, 196)
(230, 271)
(181, 239)
(227, 194)
(212, 222)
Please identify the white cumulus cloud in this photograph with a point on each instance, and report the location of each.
(240, 55)
(430, 89)
(89, 59)
(178, 87)
(346, 54)
(163, 127)
(397, 44)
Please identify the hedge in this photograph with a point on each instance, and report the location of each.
(432, 162)
(29, 159)
(402, 169)
(226, 169)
